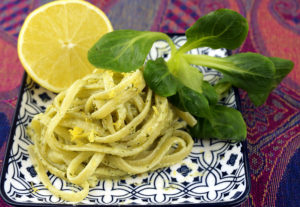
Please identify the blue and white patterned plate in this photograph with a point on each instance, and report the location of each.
(215, 173)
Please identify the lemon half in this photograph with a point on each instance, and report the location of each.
(54, 41)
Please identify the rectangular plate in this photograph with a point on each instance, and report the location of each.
(215, 173)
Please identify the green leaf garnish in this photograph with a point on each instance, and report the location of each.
(159, 78)
(249, 71)
(224, 123)
(123, 50)
(222, 28)
(210, 93)
(282, 68)
(183, 84)
(193, 102)
(186, 74)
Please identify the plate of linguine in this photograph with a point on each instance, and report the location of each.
(109, 140)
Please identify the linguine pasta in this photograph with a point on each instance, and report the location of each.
(106, 125)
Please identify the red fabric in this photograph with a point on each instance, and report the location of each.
(274, 30)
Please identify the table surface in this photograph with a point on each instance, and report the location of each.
(274, 30)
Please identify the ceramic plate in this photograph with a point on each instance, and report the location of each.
(215, 173)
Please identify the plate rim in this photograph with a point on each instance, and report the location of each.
(9, 143)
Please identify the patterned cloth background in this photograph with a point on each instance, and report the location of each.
(273, 129)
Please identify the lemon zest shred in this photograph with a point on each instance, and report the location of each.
(117, 124)
(91, 136)
(75, 133)
(155, 110)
